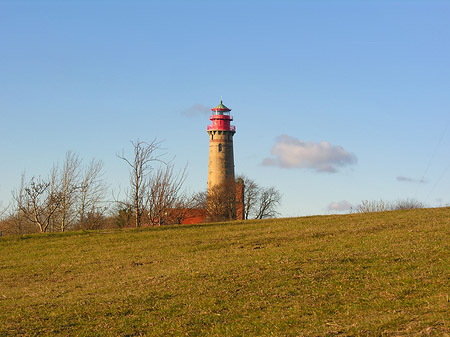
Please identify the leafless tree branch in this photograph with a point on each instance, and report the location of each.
(144, 155)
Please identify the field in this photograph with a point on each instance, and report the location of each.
(377, 274)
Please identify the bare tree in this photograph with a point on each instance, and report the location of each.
(3, 211)
(56, 196)
(199, 200)
(55, 203)
(15, 219)
(145, 154)
(5, 224)
(163, 195)
(252, 193)
(69, 184)
(38, 200)
(268, 201)
(259, 202)
(91, 194)
(182, 209)
(367, 206)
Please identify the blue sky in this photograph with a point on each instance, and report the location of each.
(334, 101)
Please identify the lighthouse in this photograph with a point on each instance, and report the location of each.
(221, 198)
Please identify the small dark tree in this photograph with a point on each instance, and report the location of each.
(163, 195)
(95, 219)
(123, 217)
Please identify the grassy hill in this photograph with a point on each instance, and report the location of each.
(360, 274)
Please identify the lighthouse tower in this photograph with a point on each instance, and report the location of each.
(221, 184)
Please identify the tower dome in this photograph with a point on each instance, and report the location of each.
(220, 109)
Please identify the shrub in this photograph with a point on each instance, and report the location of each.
(367, 206)
(407, 204)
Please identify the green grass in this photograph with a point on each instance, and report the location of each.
(378, 274)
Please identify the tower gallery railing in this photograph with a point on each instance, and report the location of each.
(214, 127)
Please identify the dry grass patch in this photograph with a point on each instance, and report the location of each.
(361, 274)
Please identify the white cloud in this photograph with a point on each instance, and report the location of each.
(290, 152)
(411, 180)
(196, 109)
(343, 205)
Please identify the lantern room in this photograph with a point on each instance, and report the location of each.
(221, 119)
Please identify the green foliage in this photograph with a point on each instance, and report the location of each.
(123, 217)
(375, 274)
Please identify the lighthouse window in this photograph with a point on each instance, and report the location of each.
(220, 147)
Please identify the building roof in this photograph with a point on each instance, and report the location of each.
(220, 107)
